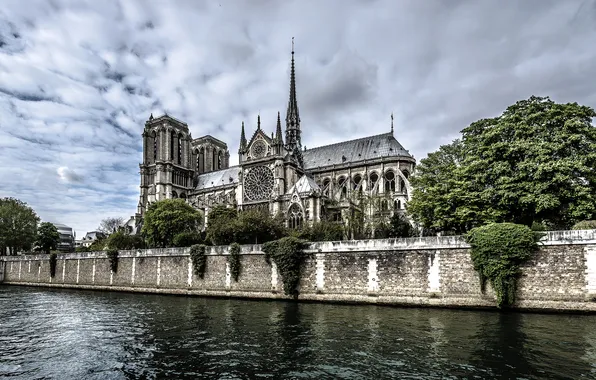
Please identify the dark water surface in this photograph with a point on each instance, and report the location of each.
(68, 334)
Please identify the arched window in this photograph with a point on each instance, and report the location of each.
(384, 206)
(389, 181)
(326, 186)
(219, 160)
(399, 205)
(202, 160)
(174, 194)
(406, 173)
(374, 178)
(341, 183)
(403, 187)
(183, 196)
(179, 158)
(155, 144)
(172, 144)
(395, 205)
(295, 217)
(357, 183)
(213, 158)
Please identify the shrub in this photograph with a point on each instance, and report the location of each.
(498, 250)
(166, 218)
(53, 261)
(199, 260)
(288, 255)
(320, 231)
(235, 261)
(113, 257)
(187, 239)
(122, 241)
(585, 225)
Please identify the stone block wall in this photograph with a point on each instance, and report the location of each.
(434, 271)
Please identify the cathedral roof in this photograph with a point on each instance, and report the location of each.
(305, 184)
(366, 148)
(218, 178)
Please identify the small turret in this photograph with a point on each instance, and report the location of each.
(242, 148)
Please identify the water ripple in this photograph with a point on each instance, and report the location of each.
(63, 334)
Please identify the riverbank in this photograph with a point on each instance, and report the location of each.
(433, 271)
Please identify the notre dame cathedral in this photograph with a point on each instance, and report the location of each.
(368, 175)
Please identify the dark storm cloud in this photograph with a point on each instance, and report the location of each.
(79, 78)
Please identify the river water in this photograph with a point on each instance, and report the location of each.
(70, 334)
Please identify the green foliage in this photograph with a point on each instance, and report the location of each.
(187, 239)
(320, 231)
(585, 225)
(82, 249)
(98, 244)
(166, 218)
(53, 262)
(18, 225)
(535, 162)
(226, 226)
(235, 261)
(400, 226)
(113, 257)
(199, 260)
(122, 241)
(498, 250)
(288, 255)
(47, 237)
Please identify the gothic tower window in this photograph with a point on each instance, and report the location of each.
(172, 138)
(213, 157)
(402, 186)
(389, 181)
(155, 142)
(356, 183)
(374, 178)
(295, 217)
(179, 158)
(174, 194)
(202, 160)
(219, 160)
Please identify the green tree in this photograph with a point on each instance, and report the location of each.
(47, 237)
(533, 163)
(166, 218)
(121, 240)
(226, 226)
(18, 225)
(221, 225)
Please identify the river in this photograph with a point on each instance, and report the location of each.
(71, 334)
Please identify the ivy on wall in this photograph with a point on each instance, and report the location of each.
(53, 261)
(199, 260)
(498, 250)
(113, 257)
(235, 261)
(288, 255)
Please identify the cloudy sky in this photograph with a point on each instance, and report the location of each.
(79, 78)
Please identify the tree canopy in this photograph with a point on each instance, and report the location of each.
(533, 163)
(226, 226)
(47, 237)
(110, 225)
(18, 225)
(166, 218)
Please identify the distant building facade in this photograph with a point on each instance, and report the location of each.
(276, 173)
(89, 238)
(67, 238)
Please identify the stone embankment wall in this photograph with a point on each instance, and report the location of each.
(435, 271)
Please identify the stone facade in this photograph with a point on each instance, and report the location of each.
(433, 271)
(275, 172)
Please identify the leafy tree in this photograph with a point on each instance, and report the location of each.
(47, 237)
(400, 226)
(166, 218)
(121, 240)
(534, 163)
(585, 225)
(221, 225)
(226, 226)
(320, 231)
(110, 225)
(18, 225)
(187, 239)
(98, 244)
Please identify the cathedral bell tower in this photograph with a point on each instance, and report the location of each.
(166, 171)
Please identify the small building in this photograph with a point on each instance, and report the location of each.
(89, 238)
(67, 237)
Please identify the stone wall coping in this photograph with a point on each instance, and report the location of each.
(551, 238)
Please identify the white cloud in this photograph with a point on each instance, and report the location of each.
(79, 78)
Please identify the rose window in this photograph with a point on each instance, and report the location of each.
(258, 183)
(258, 149)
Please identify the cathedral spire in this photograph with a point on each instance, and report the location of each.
(392, 122)
(259, 121)
(292, 115)
(278, 136)
(242, 141)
